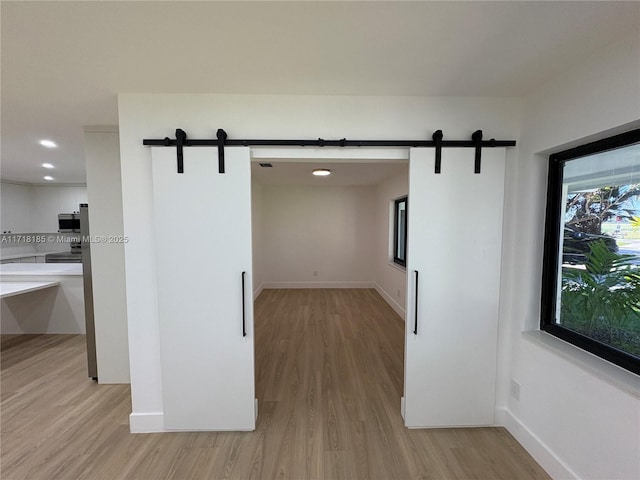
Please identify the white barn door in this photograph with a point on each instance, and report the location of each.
(454, 244)
(203, 251)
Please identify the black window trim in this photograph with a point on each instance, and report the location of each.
(397, 201)
(552, 247)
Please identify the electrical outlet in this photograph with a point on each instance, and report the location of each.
(515, 389)
(315, 273)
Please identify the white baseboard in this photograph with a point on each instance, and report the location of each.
(273, 285)
(389, 299)
(499, 416)
(258, 291)
(146, 422)
(537, 449)
(154, 423)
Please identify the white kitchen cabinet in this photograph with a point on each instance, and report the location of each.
(35, 209)
(4, 204)
(21, 222)
(48, 202)
(45, 209)
(68, 198)
(16, 208)
(81, 196)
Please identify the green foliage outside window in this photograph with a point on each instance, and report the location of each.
(602, 300)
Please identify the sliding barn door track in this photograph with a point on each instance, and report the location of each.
(222, 140)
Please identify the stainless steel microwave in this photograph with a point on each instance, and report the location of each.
(69, 222)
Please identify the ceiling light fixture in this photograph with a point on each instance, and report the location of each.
(321, 172)
(47, 165)
(48, 143)
(48, 178)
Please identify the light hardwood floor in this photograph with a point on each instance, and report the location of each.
(329, 375)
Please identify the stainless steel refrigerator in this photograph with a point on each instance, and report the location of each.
(88, 291)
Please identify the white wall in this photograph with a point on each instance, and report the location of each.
(318, 236)
(575, 421)
(256, 239)
(391, 279)
(244, 116)
(102, 153)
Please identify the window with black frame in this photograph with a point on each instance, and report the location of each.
(400, 231)
(591, 274)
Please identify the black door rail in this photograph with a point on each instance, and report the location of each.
(222, 140)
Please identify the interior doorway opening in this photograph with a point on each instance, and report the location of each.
(329, 298)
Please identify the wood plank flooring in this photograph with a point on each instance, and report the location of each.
(329, 373)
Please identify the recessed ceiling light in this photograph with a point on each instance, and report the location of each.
(47, 165)
(48, 178)
(321, 172)
(48, 143)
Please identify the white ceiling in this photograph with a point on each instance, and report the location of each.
(63, 63)
(343, 174)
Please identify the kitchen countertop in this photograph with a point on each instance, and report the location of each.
(10, 289)
(22, 255)
(30, 269)
(13, 256)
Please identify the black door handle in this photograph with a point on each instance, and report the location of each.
(244, 328)
(415, 321)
